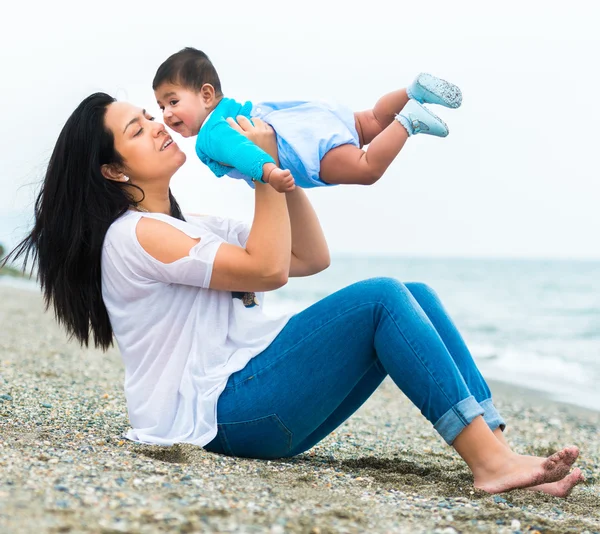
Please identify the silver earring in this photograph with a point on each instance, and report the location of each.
(125, 178)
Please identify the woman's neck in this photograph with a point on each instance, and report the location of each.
(152, 201)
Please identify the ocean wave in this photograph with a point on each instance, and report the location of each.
(571, 381)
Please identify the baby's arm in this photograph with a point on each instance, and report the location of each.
(227, 146)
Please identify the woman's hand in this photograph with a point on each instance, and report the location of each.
(261, 134)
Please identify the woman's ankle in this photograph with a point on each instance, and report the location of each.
(480, 448)
(500, 437)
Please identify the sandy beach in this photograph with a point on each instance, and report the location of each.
(64, 466)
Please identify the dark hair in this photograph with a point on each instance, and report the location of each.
(73, 211)
(189, 68)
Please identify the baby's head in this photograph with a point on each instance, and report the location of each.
(187, 89)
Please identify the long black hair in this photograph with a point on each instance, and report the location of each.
(73, 211)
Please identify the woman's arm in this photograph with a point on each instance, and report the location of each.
(310, 253)
(264, 263)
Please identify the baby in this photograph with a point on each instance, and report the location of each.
(319, 144)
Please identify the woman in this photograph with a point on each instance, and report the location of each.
(203, 364)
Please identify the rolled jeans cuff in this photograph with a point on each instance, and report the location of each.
(491, 416)
(454, 421)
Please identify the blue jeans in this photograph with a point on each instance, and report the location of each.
(331, 357)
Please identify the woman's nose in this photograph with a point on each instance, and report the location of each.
(159, 128)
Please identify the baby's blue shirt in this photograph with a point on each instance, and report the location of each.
(220, 147)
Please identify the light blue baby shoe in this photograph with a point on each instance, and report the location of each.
(428, 89)
(418, 119)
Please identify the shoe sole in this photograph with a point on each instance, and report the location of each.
(445, 91)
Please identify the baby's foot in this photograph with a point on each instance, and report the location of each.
(521, 471)
(428, 89)
(418, 119)
(563, 487)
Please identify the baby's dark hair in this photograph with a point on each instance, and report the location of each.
(189, 68)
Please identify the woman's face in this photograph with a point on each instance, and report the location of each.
(149, 152)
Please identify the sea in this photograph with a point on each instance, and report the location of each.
(532, 323)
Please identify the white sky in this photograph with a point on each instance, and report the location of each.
(517, 176)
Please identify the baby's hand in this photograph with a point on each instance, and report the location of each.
(282, 180)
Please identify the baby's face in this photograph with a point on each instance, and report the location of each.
(183, 110)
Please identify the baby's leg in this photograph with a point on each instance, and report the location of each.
(372, 122)
(348, 164)
(385, 128)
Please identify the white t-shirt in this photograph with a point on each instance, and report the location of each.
(179, 340)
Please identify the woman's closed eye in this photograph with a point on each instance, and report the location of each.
(142, 129)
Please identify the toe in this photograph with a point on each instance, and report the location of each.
(570, 454)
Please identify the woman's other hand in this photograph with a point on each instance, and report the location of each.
(261, 134)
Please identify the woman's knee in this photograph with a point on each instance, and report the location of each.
(384, 290)
(420, 290)
(382, 293)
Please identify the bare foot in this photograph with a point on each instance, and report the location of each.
(521, 471)
(563, 487)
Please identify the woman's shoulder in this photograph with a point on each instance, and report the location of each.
(123, 229)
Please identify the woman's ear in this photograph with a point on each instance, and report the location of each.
(110, 172)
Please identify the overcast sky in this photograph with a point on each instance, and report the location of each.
(517, 176)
